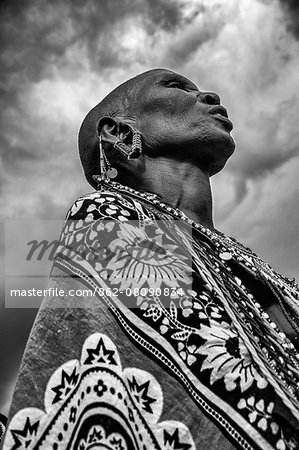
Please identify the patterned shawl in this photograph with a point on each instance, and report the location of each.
(149, 347)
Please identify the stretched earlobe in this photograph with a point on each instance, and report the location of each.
(107, 130)
(122, 136)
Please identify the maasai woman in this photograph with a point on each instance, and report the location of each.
(189, 339)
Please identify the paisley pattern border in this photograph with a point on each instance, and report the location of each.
(94, 402)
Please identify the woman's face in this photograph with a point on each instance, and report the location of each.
(174, 116)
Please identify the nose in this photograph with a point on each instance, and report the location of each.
(210, 98)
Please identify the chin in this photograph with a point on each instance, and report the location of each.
(225, 150)
(218, 139)
(219, 165)
(231, 145)
(225, 145)
(225, 139)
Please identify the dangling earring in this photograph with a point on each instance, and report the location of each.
(106, 170)
(136, 148)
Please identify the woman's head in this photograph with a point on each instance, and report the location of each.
(175, 120)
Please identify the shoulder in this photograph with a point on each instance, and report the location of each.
(103, 204)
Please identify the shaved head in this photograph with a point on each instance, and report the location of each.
(174, 118)
(118, 103)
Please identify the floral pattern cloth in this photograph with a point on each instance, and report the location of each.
(161, 287)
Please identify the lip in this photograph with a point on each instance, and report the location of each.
(220, 113)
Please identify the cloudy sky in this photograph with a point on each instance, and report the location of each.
(60, 57)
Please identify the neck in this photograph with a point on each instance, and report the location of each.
(181, 185)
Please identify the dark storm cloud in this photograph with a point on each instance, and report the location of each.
(13, 155)
(183, 49)
(257, 168)
(291, 7)
(35, 35)
(267, 164)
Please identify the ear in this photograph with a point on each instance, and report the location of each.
(114, 129)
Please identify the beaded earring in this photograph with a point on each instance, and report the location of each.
(107, 172)
(136, 145)
(136, 148)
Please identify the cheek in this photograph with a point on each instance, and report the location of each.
(157, 128)
(151, 131)
(168, 109)
(173, 131)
